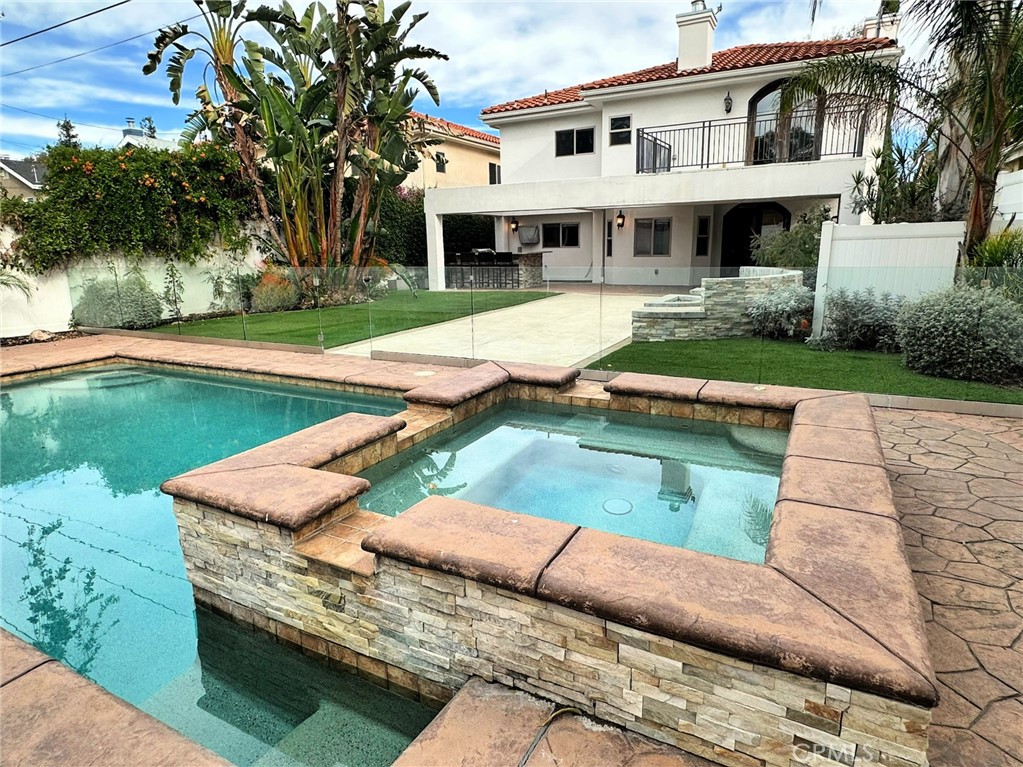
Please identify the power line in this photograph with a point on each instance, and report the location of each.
(64, 23)
(51, 117)
(96, 50)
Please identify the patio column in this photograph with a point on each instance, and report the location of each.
(597, 245)
(502, 234)
(435, 249)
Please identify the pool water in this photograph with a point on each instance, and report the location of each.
(92, 571)
(699, 485)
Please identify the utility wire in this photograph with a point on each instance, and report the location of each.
(52, 117)
(97, 50)
(64, 23)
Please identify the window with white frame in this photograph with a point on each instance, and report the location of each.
(653, 237)
(495, 173)
(574, 141)
(702, 236)
(620, 130)
(442, 162)
(561, 235)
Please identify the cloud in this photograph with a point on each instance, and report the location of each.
(497, 50)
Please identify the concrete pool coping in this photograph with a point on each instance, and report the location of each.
(52, 716)
(834, 601)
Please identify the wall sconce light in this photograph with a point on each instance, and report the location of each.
(728, 102)
(620, 220)
(515, 225)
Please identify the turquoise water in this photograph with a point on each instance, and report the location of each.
(92, 571)
(704, 486)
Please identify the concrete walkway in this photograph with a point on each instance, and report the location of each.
(562, 330)
(958, 482)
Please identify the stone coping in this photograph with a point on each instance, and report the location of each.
(540, 375)
(53, 716)
(834, 601)
(489, 724)
(499, 548)
(287, 496)
(451, 392)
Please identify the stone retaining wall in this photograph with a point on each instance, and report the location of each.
(723, 312)
(427, 631)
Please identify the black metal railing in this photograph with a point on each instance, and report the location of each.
(799, 136)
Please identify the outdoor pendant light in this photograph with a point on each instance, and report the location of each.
(620, 220)
(728, 102)
(515, 225)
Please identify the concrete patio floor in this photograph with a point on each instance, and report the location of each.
(566, 329)
(958, 482)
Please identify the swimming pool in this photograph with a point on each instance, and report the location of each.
(699, 485)
(81, 459)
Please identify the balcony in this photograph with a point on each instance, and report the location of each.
(800, 136)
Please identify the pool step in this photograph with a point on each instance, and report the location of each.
(493, 725)
(340, 543)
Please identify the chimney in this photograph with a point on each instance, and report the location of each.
(131, 130)
(885, 26)
(696, 36)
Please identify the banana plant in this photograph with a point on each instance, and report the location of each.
(224, 22)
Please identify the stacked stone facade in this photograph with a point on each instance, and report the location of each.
(427, 631)
(723, 312)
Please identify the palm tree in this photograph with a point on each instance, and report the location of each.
(970, 92)
(12, 281)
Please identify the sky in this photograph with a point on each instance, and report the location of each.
(498, 50)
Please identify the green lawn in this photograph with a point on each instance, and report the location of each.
(355, 322)
(794, 364)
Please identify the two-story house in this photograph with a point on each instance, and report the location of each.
(462, 156)
(661, 176)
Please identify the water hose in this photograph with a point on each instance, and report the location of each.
(543, 731)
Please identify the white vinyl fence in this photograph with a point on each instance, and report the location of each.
(1009, 197)
(54, 295)
(903, 259)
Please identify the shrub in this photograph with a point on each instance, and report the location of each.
(274, 293)
(118, 303)
(783, 313)
(795, 248)
(966, 333)
(1003, 249)
(860, 320)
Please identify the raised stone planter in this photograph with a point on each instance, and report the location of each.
(717, 309)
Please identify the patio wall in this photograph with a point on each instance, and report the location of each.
(904, 259)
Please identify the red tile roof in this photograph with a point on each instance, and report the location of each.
(739, 57)
(454, 129)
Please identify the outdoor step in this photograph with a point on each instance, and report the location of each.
(340, 543)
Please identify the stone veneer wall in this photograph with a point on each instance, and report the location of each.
(530, 270)
(725, 300)
(426, 631)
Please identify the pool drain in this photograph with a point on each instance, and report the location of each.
(619, 507)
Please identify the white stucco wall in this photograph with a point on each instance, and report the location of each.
(527, 149)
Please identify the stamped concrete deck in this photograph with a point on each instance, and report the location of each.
(958, 484)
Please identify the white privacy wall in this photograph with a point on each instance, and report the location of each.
(904, 259)
(1009, 197)
(52, 298)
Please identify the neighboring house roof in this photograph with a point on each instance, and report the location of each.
(456, 130)
(149, 143)
(29, 172)
(739, 57)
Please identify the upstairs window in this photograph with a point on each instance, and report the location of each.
(574, 141)
(702, 236)
(620, 131)
(442, 162)
(653, 237)
(561, 235)
(495, 173)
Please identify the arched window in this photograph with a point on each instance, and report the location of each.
(774, 136)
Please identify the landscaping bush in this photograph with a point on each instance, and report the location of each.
(783, 313)
(274, 293)
(966, 333)
(796, 248)
(118, 303)
(1002, 249)
(860, 320)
